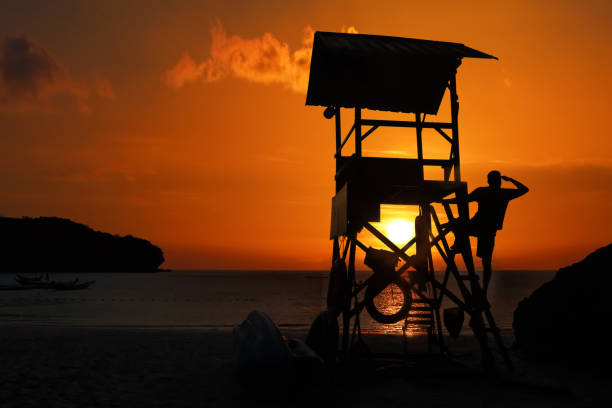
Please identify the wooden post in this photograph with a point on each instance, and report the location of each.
(338, 129)
(338, 143)
(454, 102)
(357, 131)
(419, 134)
(346, 315)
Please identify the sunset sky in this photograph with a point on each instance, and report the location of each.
(185, 122)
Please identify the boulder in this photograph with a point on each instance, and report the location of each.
(260, 350)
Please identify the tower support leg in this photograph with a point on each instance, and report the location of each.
(349, 284)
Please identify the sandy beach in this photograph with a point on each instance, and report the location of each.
(114, 367)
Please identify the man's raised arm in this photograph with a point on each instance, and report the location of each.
(521, 189)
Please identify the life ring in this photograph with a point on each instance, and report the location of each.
(373, 290)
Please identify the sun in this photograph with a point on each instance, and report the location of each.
(400, 231)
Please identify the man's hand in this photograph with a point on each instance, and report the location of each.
(506, 178)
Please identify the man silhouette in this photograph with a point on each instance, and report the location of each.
(492, 203)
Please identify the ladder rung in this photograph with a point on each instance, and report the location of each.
(413, 319)
(423, 323)
(421, 309)
(420, 317)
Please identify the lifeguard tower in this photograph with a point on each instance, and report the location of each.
(408, 76)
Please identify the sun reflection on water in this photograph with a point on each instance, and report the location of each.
(390, 301)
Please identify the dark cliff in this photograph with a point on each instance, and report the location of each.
(567, 317)
(49, 244)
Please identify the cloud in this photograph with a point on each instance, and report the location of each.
(582, 177)
(264, 60)
(185, 70)
(30, 76)
(103, 87)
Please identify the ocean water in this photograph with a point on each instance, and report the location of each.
(215, 300)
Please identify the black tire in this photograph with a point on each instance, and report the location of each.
(372, 292)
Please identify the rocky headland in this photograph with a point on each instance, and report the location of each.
(50, 244)
(569, 317)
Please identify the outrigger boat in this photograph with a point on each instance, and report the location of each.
(73, 285)
(24, 280)
(17, 287)
(25, 283)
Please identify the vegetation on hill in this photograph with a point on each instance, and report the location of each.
(50, 244)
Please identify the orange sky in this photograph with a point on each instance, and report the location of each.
(129, 120)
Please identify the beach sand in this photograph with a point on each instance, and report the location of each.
(116, 367)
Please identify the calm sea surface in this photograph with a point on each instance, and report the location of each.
(213, 300)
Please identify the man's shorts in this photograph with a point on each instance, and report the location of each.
(485, 236)
(486, 242)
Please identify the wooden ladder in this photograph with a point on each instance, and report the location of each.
(424, 314)
(474, 302)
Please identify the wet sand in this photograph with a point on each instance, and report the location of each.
(114, 367)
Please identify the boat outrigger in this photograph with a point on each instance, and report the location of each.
(25, 283)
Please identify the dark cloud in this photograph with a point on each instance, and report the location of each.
(578, 177)
(30, 75)
(559, 177)
(28, 69)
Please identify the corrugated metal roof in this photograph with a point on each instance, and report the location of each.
(366, 44)
(381, 72)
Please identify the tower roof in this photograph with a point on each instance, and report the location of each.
(384, 73)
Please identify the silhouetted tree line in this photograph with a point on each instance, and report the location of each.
(51, 244)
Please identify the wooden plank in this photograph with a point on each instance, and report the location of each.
(339, 216)
(338, 130)
(346, 246)
(408, 244)
(386, 241)
(444, 135)
(451, 296)
(339, 150)
(455, 126)
(406, 123)
(419, 135)
(366, 134)
(338, 145)
(361, 245)
(347, 314)
(436, 162)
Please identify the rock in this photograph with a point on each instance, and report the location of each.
(309, 365)
(323, 337)
(567, 317)
(261, 353)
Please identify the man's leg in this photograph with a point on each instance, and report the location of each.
(486, 273)
(487, 243)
